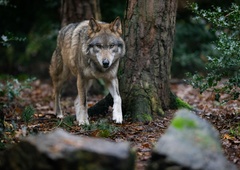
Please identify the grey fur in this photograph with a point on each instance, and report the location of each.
(89, 50)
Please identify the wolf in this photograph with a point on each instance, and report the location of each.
(88, 50)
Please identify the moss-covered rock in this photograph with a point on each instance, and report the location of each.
(189, 143)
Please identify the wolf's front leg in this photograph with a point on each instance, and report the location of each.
(81, 101)
(81, 112)
(117, 101)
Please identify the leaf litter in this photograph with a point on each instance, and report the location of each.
(142, 136)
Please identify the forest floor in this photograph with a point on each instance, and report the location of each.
(142, 136)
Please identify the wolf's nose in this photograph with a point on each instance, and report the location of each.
(105, 63)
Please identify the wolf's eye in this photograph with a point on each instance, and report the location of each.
(98, 45)
(120, 45)
(111, 45)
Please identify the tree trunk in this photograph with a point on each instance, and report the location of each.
(79, 10)
(145, 71)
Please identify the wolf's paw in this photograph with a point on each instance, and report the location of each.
(83, 122)
(118, 118)
(60, 116)
(82, 118)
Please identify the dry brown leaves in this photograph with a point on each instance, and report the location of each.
(225, 117)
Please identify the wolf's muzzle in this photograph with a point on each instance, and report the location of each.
(105, 63)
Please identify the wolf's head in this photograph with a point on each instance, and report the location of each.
(105, 45)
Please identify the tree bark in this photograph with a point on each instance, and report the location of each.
(145, 71)
(79, 10)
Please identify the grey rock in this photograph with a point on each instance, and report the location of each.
(189, 143)
(61, 150)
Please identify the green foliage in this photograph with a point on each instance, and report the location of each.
(8, 38)
(12, 88)
(225, 66)
(10, 92)
(4, 2)
(69, 120)
(28, 35)
(235, 131)
(102, 128)
(27, 114)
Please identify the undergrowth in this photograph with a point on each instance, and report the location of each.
(223, 68)
(101, 128)
(11, 104)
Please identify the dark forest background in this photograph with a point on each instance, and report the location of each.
(28, 32)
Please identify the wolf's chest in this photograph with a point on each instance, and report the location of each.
(91, 72)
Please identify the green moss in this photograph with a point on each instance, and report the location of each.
(180, 123)
(181, 104)
(139, 105)
(177, 103)
(144, 117)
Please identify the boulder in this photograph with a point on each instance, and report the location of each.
(63, 151)
(189, 143)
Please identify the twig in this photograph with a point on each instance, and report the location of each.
(57, 125)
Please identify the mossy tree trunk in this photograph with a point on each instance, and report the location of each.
(79, 10)
(145, 71)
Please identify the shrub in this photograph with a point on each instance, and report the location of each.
(223, 69)
(192, 45)
(10, 95)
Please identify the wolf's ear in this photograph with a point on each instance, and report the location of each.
(116, 26)
(93, 26)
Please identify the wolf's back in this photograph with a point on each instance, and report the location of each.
(64, 35)
(63, 48)
(70, 33)
(69, 42)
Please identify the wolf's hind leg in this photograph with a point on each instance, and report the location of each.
(57, 88)
(59, 74)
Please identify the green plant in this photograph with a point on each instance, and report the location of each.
(102, 128)
(67, 122)
(8, 38)
(235, 131)
(13, 87)
(10, 93)
(4, 2)
(27, 114)
(223, 68)
(24, 36)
